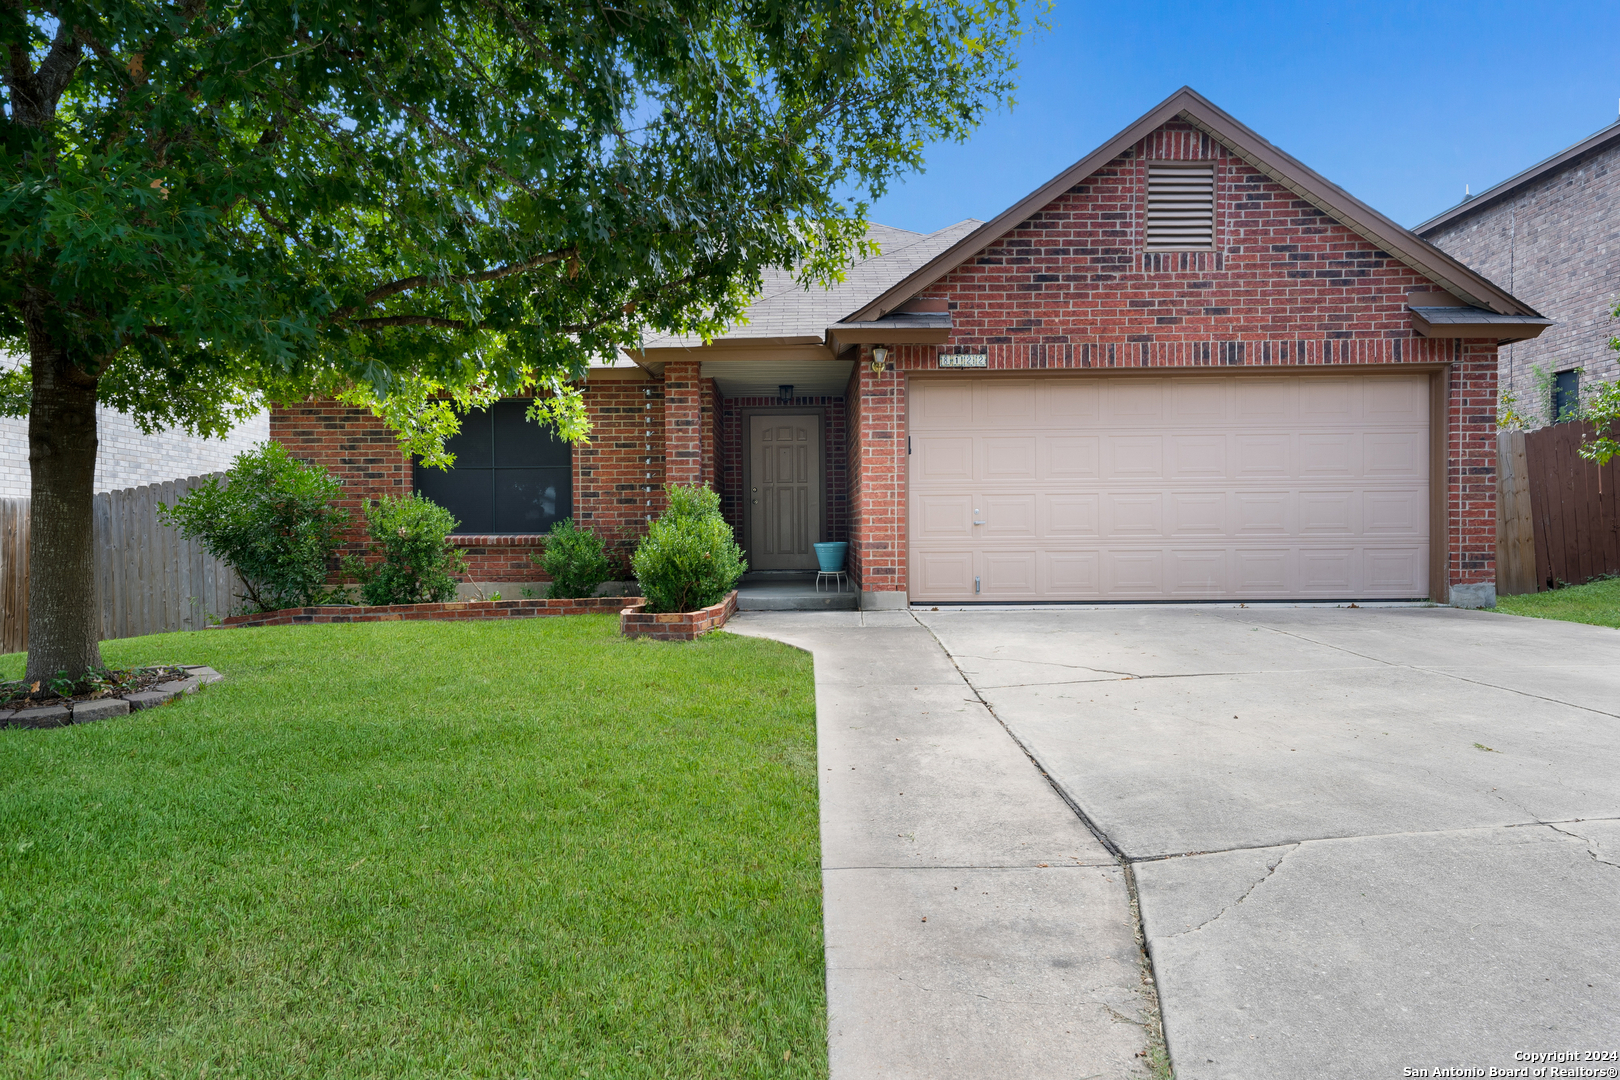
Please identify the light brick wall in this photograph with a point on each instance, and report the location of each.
(126, 457)
(1555, 244)
(1071, 288)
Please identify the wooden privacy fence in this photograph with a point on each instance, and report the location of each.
(149, 579)
(1558, 515)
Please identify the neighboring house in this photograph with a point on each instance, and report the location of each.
(126, 457)
(1187, 368)
(1551, 235)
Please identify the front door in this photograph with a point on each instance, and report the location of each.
(784, 490)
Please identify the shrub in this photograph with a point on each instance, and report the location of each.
(273, 520)
(690, 559)
(576, 560)
(418, 564)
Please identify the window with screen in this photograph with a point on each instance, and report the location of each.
(511, 475)
(1180, 207)
(1566, 395)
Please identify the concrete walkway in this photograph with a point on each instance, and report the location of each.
(974, 926)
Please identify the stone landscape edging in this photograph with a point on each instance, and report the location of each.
(453, 611)
(676, 625)
(105, 708)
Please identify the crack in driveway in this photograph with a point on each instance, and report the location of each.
(1270, 870)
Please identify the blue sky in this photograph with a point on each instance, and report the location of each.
(1401, 104)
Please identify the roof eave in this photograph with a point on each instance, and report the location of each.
(1499, 329)
(1496, 192)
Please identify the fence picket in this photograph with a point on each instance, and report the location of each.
(149, 579)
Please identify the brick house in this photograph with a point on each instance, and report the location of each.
(1551, 234)
(1188, 367)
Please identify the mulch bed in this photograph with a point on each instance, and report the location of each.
(98, 696)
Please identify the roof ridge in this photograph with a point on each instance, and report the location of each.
(1523, 176)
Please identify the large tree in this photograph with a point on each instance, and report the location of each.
(214, 203)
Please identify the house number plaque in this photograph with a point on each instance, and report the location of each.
(960, 360)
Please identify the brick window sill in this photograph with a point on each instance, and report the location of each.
(497, 540)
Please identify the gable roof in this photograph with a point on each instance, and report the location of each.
(1186, 104)
(1567, 157)
(788, 313)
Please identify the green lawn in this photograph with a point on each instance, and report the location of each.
(526, 848)
(1596, 602)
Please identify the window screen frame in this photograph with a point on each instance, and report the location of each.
(498, 476)
(1212, 168)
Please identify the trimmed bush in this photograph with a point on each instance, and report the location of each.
(273, 520)
(575, 559)
(418, 564)
(689, 559)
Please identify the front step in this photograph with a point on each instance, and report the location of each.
(779, 591)
(777, 599)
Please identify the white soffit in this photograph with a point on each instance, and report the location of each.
(761, 378)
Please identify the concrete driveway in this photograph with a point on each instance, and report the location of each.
(1365, 840)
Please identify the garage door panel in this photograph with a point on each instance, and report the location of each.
(1134, 402)
(1067, 402)
(1395, 454)
(1329, 513)
(1326, 572)
(1262, 571)
(1130, 573)
(1402, 400)
(1197, 513)
(1009, 575)
(1396, 571)
(1008, 404)
(943, 575)
(1200, 402)
(1104, 487)
(944, 407)
(942, 517)
(1268, 401)
(1070, 457)
(936, 458)
(1329, 454)
(1007, 517)
(1008, 458)
(1069, 575)
(1263, 456)
(1133, 514)
(1197, 457)
(1068, 516)
(1328, 401)
(1135, 457)
(1262, 513)
(1199, 573)
(1392, 513)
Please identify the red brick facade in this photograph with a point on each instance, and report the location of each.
(1072, 288)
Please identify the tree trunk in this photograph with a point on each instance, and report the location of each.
(64, 622)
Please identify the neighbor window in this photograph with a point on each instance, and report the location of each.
(1180, 207)
(511, 475)
(1566, 400)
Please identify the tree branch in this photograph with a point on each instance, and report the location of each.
(413, 320)
(394, 288)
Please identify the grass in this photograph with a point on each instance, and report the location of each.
(1596, 602)
(526, 848)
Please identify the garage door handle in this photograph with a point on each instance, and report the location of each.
(976, 520)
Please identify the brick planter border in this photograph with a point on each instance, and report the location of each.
(677, 625)
(452, 612)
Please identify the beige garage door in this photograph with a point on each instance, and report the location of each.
(1137, 487)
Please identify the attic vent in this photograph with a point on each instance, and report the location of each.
(1180, 208)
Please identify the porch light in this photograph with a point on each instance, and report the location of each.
(784, 394)
(880, 356)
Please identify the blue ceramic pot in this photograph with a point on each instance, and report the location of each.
(831, 556)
